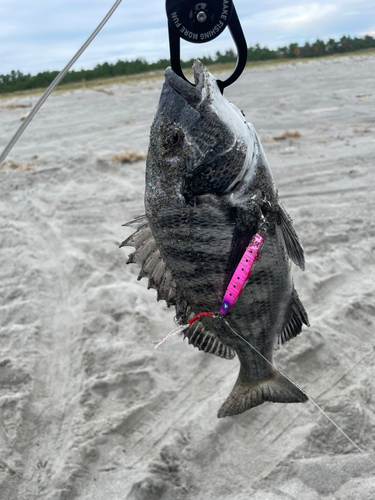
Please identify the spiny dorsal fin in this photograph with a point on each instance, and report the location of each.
(292, 243)
(148, 256)
(298, 317)
(137, 222)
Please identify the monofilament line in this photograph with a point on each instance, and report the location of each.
(54, 84)
(313, 402)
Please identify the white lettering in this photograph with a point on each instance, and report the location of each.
(175, 19)
(188, 34)
(211, 33)
(224, 13)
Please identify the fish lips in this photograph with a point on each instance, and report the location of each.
(177, 108)
(191, 94)
(204, 90)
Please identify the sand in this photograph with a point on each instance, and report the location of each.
(89, 410)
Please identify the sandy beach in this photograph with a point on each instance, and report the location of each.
(88, 409)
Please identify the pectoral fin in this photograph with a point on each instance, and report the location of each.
(292, 243)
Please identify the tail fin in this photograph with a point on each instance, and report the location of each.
(246, 395)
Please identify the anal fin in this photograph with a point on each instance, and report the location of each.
(207, 341)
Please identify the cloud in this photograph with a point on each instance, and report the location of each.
(275, 24)
(291, 18)
(369, 33)
(300, 16)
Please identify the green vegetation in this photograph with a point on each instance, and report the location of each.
(17, 81)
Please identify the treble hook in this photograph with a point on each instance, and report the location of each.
(200, 22)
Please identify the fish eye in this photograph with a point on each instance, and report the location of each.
(175, 138)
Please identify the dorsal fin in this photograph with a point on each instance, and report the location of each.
(148, 256)
(298, 317)
(292, 243)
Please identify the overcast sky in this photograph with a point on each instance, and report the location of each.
(38, 35)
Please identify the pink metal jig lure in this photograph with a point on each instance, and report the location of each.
(242, 273)
(240, 276)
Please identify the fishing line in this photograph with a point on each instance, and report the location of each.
(54, 84)
(313, 402)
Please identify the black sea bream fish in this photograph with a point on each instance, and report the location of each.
(209, 189)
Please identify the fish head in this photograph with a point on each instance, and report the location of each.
(198, 141)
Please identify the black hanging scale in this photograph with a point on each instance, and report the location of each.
(201, 22)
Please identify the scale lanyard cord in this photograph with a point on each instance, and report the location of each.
(54, 84)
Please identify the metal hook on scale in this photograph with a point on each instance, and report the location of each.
(200, 22)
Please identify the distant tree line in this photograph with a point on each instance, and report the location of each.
(18, 81)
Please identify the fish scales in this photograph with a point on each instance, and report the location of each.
(196, 258)
(209, 189)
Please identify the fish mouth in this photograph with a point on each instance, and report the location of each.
(192, 94)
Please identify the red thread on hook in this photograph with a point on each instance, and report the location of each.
(199, 315)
